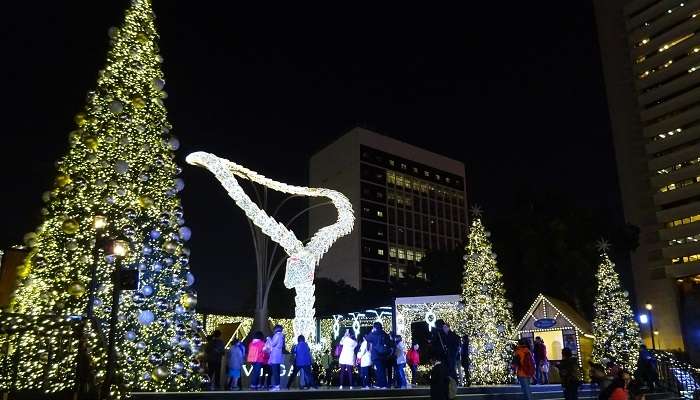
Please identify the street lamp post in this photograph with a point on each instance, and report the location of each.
(99, 222)
(652, 332)
(119, 250)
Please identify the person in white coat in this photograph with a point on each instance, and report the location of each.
(347, 358)
(365, 361)
(276, 357)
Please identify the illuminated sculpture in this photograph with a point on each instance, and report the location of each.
(302, 260)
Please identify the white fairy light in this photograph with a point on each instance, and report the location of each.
(302, 260)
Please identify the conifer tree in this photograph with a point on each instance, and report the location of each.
(488, 314)
(115, 205)
(616, 332)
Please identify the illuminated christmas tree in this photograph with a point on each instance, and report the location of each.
(115, 207)
(489, 320)
(616, 332)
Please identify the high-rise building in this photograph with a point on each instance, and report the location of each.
(407, 201)
(651, 63)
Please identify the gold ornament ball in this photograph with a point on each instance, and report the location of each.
(63, 180)
(70, 226)
(145, 201)
(24, 269)
(188, 300)
(141, 38)
(90, 143)
(76, 289)
(170, 247)
(160, 373)
(80, 119)
(138, 102)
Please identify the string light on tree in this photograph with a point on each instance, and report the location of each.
(616, 332)
(488, 314)
(302, 260)
(118, 180)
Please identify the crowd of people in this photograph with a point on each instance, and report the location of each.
(381, 359)
(613, 382)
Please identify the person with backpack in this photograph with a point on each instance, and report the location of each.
(380, 350)
(347, 358)
(570, 374)
(524, 365)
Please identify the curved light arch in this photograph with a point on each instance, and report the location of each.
(302, 260)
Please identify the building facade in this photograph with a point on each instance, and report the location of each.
(407, 201)
(651, 63)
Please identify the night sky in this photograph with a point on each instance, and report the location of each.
(514, 90)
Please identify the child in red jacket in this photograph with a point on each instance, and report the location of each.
(413, 359)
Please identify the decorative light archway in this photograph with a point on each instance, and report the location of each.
(302, 260)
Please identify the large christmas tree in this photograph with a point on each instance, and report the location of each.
(489, 320)
(115, 206)
(616, 332)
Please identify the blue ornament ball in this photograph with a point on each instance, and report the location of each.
(130, 335)
(155, 234)
(179, 184)
(185, 233)
(190, 279)
(179, 309)
(146, 317)
(147, 290)
(174, 143)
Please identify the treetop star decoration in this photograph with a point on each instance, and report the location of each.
(302, 260)
(602, 245)
(476, 211)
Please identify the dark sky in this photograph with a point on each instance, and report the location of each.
(512, 89)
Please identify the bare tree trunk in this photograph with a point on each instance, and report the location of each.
(261, 321)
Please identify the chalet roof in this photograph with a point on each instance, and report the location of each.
(566, 311)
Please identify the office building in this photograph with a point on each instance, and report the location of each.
(651, 63)
(407, 201)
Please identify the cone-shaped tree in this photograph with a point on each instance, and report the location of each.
(119, 165)
(489, 320)
(616, 332)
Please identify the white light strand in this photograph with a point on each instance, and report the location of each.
(302, 260)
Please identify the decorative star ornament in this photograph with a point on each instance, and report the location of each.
(302, 260)
(602, 245)
(476, 211)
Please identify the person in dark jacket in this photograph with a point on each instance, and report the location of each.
(570, 374)
(379, 340)
(445, 348)
(540, 353)
(215, 350)
(302, 362)
(647, 368)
